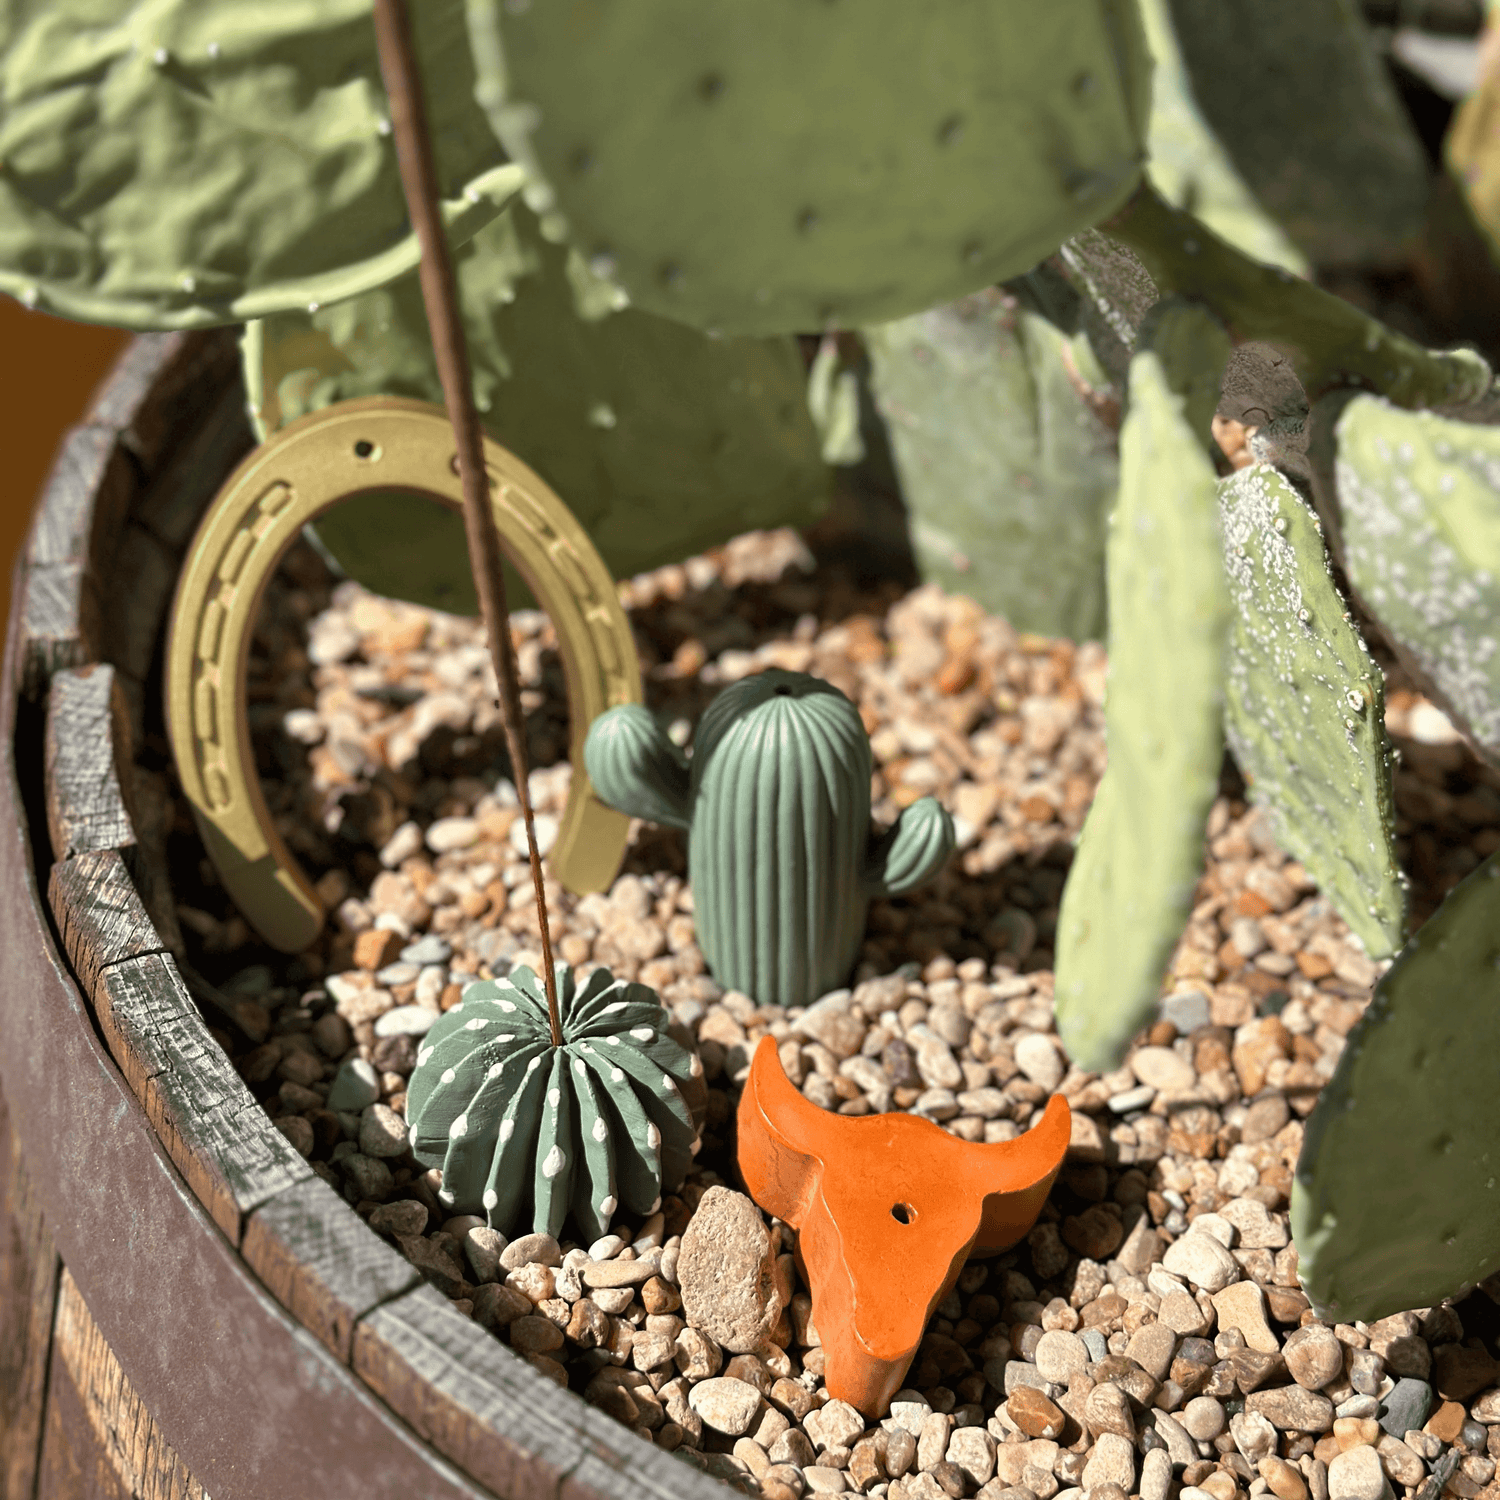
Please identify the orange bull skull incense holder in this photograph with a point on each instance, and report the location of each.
(888, 1209)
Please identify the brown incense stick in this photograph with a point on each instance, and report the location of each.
(398, 68)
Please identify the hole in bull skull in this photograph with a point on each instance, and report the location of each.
(903, 1213)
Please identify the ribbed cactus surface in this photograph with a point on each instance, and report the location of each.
(1305, 706)
(771, 165)
(777, 807)
(1396, 1200)
(526, 1132)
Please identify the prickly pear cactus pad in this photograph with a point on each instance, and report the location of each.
(1419, 510)
(1006, 472)
(1396, 1200)
(771, 166)
(1304, 106)
(777, 807)
(1141, 850)
(662, 441)
(1190, 167)
(1304, 706)
(525, 1132)
(181, 165)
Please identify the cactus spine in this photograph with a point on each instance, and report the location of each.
(777, 807)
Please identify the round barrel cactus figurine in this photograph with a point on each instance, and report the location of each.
(776, 804)
(609, 1118)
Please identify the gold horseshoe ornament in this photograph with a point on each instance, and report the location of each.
(379, 442)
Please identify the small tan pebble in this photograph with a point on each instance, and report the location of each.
(866, 1466)
(698, 1357)
(497, 1306)
(1357, 1474)
(1243, 1307)
(780, 1489)
(932, 1442)
(1034, 1414)
(1402, 1464)
(748, 1368)
(824, 1481)
(614, 1299)
(752, 1455)
(1106, 1409)
(726, 1405)
(972, 1451)
(1203, 1418)
(535, 1335)
(793, 1447)
(299, 1066)
(534, 1281)
(588, 1324)
(298, 1131)
(900, 1453)
(1112, 1461)
(541, 1249)
(404, 1217)
(835, 1425)
(376, 947)
(1355, 1432)
(792, 1397)
(659, 1296)
(1218, 1484)
(1106, 1492)
(382, 1132)
(1314, 1357)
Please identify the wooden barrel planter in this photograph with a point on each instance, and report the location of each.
(185, 1307)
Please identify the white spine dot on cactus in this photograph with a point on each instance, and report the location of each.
(548, 1131)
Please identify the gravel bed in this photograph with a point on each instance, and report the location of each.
(1148, 1339)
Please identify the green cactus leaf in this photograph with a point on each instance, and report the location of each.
(1419, 536)
(1305, 707)
(769, 167)
(661, 441)
(635, 768)
(1396, 1200)
(916, 848)
(521, 1127)
(833, 401)
(1303, 104)
(183, 165)
(1189, 166)
(1141, 850)
(1006, 472)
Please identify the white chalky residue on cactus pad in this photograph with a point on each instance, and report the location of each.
(1404, 559)
(555, 1161)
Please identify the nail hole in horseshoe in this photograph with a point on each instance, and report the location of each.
(903, 1213)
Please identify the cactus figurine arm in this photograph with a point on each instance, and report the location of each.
(913, 850)
(634, 766)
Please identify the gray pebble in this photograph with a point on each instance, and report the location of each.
(397, 974)
(406, 1020)
(1094, 1342)
(1186, 1011)
(1156, 1474)
(428, 949)
(382, 1132)
(355, 1085)
(1408, 1405)
(371, 1178)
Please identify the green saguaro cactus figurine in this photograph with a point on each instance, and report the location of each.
(776, 804)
